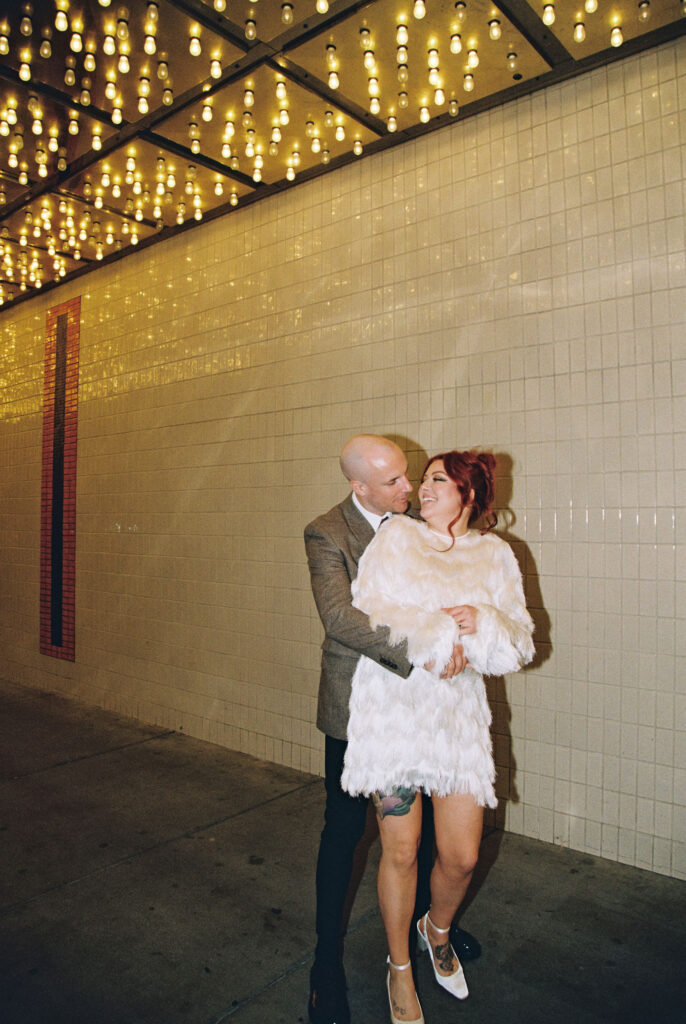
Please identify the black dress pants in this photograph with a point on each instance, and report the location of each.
(344, 823)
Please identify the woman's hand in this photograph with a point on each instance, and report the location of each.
(465, 617)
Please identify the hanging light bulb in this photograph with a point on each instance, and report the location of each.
(322, 6)
(207, 112)
(579, 32)
(46, 46)
(25, 71)
(439, 97)
(123, 63)
(548, 16)
(284, 117)
(76, 42)
(162, 70)
(109, 45)
(357, 147)
(150, 45)
(616, 36)
(249, 98)
(220, 6)
(472, 59)
(250, 29)
(455, 43)
(468, 84)
(194, 44)
(89, 60)
(453, 108)
(69, 74)
(424, 114)
(591, 6)
(287, 14)
(61, 20)
(123, 24)
(369, 60)
(110, 90)
(143, 105)
(402, 35)
(644, 10)
(167, 97)
(494, 29)
(340, 133)
(333, 80)
(419, 9)
(375, 105)
(216, 69)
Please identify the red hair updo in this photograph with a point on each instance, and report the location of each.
(473, 473)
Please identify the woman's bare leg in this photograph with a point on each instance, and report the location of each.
(458, 822)
(400, 820)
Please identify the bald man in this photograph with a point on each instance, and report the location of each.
(376, 469)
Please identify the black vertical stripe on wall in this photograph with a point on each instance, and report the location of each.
(57, 512)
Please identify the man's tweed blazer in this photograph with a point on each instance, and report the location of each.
(334, 543)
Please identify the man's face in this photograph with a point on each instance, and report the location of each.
(385, 487)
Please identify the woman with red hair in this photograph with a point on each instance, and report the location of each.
(434, 583)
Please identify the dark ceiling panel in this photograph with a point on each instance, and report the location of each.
(123, 123)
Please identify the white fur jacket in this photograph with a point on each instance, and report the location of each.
(424, 731)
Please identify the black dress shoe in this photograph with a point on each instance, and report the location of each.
(464, 944)
(328, 1003)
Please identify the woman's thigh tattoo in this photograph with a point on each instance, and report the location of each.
(396, 803)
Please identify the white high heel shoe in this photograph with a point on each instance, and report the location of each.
(394, 1019)
(454, 983)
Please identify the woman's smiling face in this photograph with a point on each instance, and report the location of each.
(440, 500)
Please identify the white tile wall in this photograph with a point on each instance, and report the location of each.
(516, 281)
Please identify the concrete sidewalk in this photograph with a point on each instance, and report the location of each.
(149, 878)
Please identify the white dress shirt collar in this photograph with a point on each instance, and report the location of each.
(371, 517)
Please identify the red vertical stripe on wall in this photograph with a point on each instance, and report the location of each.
(58, 481)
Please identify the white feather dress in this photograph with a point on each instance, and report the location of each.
(425, 732)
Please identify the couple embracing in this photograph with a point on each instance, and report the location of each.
(416, 612)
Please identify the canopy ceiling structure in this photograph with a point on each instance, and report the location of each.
(121, 124)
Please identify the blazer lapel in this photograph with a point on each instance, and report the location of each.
(361, 533)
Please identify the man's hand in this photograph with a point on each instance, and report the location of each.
(458, 663)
